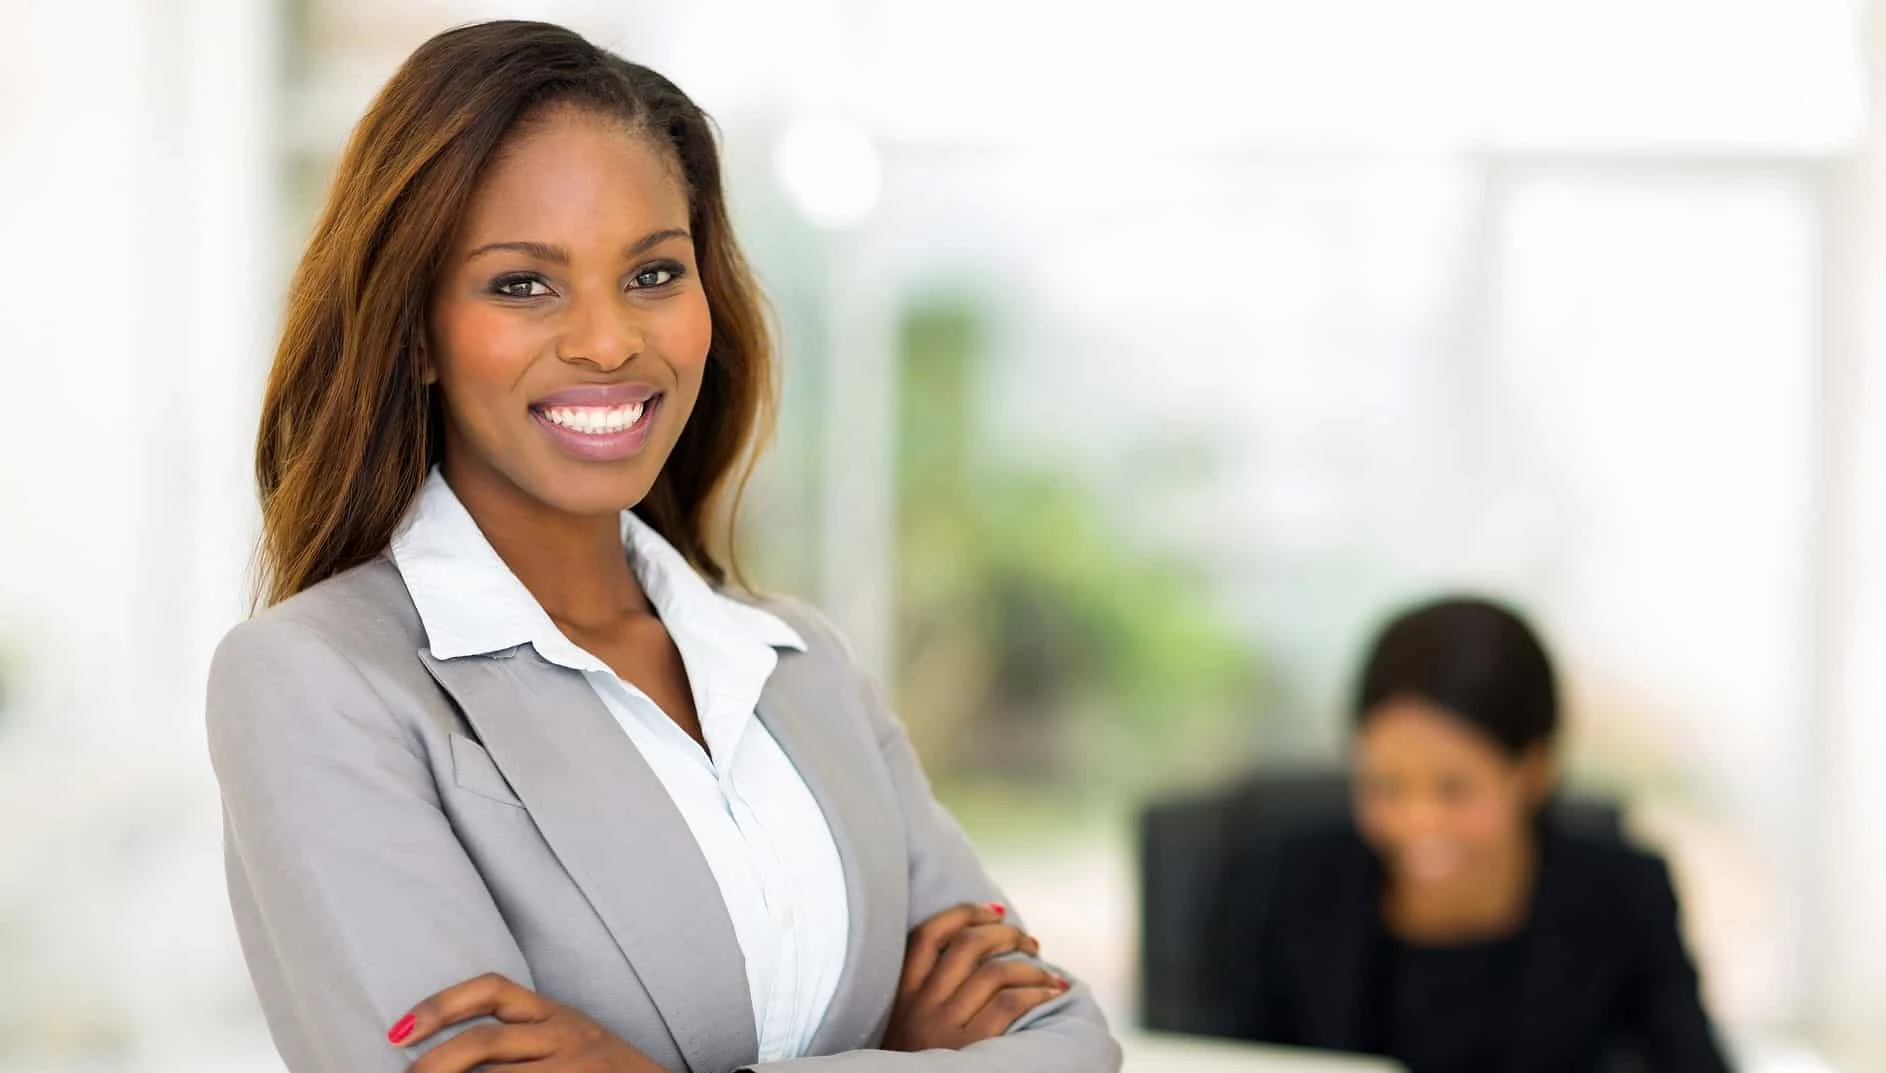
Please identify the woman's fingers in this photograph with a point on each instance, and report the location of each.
(490, 995)
(928, 939)
(966, 951)
(487, 1044)
(1007, 1007)
(994, 979)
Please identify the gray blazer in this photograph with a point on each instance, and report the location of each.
(396, 824)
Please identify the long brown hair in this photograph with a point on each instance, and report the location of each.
(349, 430)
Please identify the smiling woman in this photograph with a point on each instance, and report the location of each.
(508, 763)
(566, 340)
(1456, 924)
(480, 175)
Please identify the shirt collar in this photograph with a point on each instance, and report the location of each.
(685, 599)
(470, 603)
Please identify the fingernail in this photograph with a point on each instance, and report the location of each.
(401, 1030)
(1062, 980)
(998, 908)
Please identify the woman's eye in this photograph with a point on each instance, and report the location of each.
(520, 287)
(656, 276)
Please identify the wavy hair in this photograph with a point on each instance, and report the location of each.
(349, 429)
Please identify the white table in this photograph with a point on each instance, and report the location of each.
(1152, 1052)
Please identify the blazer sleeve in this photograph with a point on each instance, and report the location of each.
(1066, 1035)
(1665, 1005)
(353, 899)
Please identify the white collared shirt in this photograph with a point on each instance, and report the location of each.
(757, 824)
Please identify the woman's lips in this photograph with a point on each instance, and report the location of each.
(589, 425)
(598, 395)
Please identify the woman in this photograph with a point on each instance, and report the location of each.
(512, 773)
(1454, 926)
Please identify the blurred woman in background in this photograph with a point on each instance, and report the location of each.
(515, 773)
(1455, 926)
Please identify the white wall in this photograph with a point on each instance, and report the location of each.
(1850, 837)
(135, 187)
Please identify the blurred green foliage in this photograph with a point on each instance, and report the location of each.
(1038, 650)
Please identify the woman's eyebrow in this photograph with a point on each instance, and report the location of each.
(542, 251)
(650, 241)
(557, 255)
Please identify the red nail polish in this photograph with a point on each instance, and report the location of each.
(402, 1029)
(998, 908)
(1063, 982)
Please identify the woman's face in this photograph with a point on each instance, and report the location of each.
(568, 328)
(1438, 799)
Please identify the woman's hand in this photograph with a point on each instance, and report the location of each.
(550, 1036)
(957, 989)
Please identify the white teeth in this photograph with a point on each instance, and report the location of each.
(595, 420)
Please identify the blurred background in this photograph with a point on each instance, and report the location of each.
(1139, 359)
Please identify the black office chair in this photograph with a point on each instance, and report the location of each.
(1183, 845)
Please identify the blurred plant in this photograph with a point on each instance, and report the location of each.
(1035, 644)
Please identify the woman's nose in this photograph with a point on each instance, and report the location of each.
(602, 332)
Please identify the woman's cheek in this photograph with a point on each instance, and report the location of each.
(685, 332)
(1377, 825)
(1489, 819)
(484, 345)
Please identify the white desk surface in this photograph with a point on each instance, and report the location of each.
(1152, 1052)
(1155, 1052)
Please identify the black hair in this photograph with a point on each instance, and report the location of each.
(1474, 658)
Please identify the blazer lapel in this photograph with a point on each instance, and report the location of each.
(1342, 939)
(1558, 972)
(613, 827)
(804, 707)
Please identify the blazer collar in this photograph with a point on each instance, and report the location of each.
(622, 840)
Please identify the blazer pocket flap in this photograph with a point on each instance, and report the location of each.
(475, 772)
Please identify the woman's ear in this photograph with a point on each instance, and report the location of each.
(1539, 773)
(428, 373)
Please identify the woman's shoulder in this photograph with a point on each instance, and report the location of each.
(363, 615)
(1607, 878)
(1616, 860)
(822, 638)
(336, 663)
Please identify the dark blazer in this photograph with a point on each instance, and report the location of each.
(1601, 971)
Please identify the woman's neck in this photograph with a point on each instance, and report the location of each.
(574, 565)
(1489, 901)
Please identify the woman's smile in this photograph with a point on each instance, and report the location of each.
(599, 422)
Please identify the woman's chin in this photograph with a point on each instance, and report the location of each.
(588, 488)
(1431, 868)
